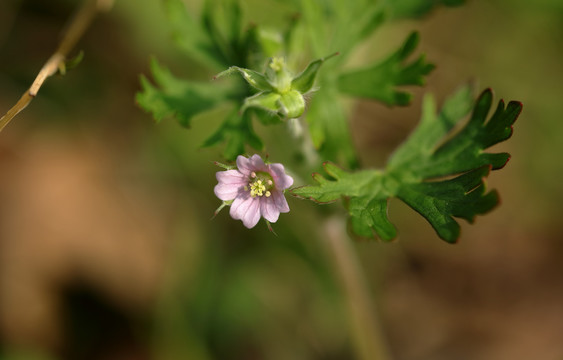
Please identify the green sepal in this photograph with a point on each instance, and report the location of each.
(306, 79)
(253, 78)
(269, 101)
(292, 104)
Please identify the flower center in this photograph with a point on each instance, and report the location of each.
(260, 184)
(277, 64)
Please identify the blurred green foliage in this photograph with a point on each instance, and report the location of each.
(229, 293)
(219, 38)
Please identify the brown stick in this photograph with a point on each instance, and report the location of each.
(78, 26)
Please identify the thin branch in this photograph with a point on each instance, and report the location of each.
(74, 32)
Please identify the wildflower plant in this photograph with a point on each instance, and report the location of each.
(439, 171)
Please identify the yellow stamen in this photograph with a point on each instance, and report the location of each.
(257, 188)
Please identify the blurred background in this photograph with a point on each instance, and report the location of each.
(108, 250)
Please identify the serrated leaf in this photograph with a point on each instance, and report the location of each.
(426, 157)
(440, 201)
(190, 36)
(380, 81)
(177, 98)
(431, 152)
(222, 21)
(354, 21)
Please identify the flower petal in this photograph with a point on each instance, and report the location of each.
(281, 179)
(231, 177)
(226, 192)
(257, 163)
(244, 166)
(280, 202)
(230, 184)
(269, 210)
(247, 209)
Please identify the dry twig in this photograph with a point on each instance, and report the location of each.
(74, 32)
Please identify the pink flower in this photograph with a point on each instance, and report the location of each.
(255, 189)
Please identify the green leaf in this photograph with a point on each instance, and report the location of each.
(236, 131)
(427, 157)
(380, 81)
(440, 201)
(328, 127)
(178, 98)
(315, 22)
(353, 22)
(271, 42)
(438, 174)
(400, 9)
(365, 192)
(191, 37)
(222, 22)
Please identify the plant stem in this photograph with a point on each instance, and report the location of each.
(364, 323)
(74, 32)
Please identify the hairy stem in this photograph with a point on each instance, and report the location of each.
(74, 32)
(364, 323)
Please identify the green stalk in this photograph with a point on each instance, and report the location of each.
(367, 336)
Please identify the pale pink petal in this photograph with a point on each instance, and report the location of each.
(252, 215)
(231, 177)
(280, 202)
(247, 209)
(230, 183)
(281, 179)
(226, 192)
(269, 210)
(257, 164)
(244, 166)
(239, 205)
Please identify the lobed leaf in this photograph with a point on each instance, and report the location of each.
(430, 152)
(380, 81)
(190, 36)
(236, 131)
(173, 97)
